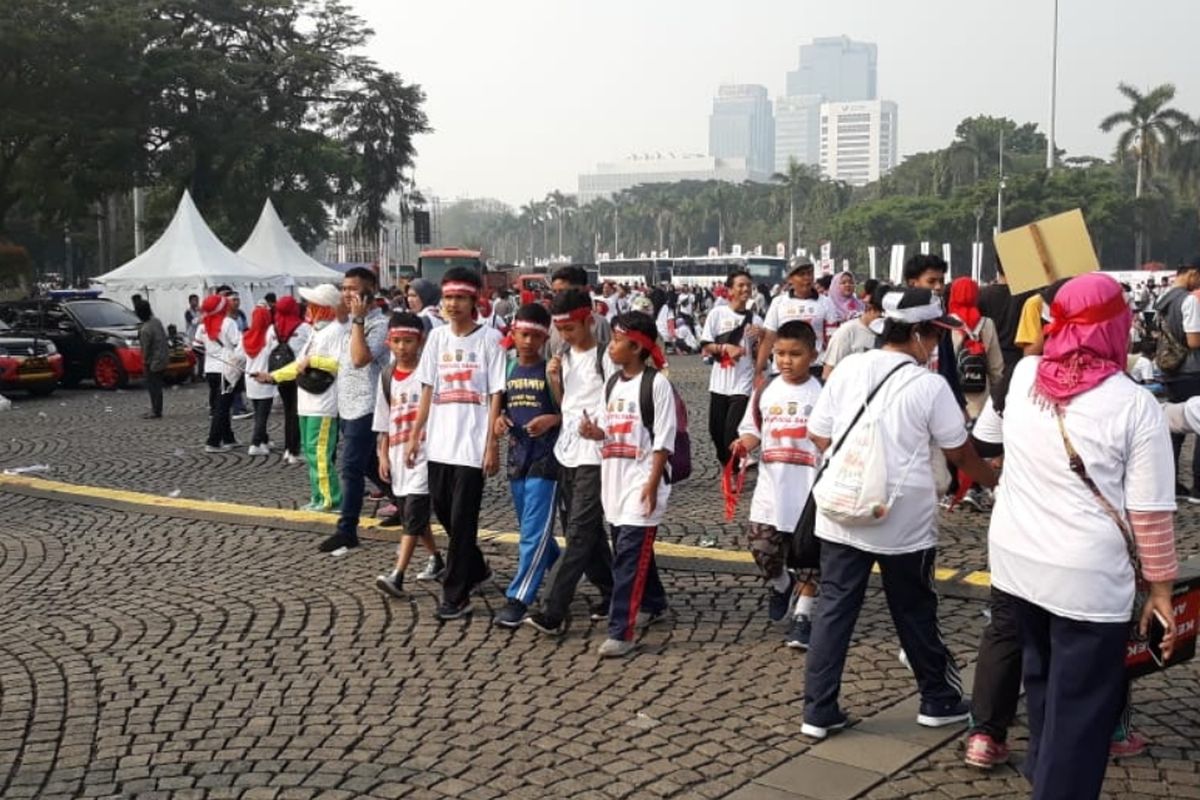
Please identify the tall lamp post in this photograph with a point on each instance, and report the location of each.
(1053, 90)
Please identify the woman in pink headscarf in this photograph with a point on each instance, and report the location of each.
(1083, 511)
(843, 303)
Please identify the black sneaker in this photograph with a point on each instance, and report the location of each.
(800, 634)
(934, 715)
(435, 568)
(598, 611)
(512, 615)
(779, 603)
(487, 578)
(337, 542)
(448, 611)
(392, 583)
(1181, 491)
(394, 521)
(546, 625)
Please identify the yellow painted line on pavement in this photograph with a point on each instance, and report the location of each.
(276, 515)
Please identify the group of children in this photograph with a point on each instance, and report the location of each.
(590, 432)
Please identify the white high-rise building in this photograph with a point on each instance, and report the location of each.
(741, 126)
(614, 177)
(797, 130)
(858, 140)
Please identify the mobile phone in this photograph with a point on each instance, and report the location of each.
(1154, 636)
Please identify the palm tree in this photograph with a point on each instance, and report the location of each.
(1149, 126)
(559, 206)
(797, 181)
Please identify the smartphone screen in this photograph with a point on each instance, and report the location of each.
(1154, 636)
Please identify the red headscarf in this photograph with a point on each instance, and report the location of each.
(213, 310)
(1087, 340)
(964, 301)
(287, 317)
(255, 337)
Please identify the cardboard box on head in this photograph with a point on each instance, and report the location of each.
(1042, 252)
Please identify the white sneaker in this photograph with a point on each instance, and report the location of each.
(258, 450)
(292, 459)
(616, 648)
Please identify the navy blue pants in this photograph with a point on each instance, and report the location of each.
(535, 500)
(635, 579)
(359, 459)
(1074, 691)
(913, 603)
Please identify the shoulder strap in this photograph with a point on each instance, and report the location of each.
(863, 408)
(646, 399)
(608, 387)
(385, 380)
(599, 359)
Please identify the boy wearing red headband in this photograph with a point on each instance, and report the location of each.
(461, 372)
(577, 374)
(396, 408)
(530, 422)
(634, 486)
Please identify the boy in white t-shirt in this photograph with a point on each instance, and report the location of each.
(461, 372)
(730, 333)
(396, 406)
(634, 484)
(577, 374)
(801, 302)
(778, 421)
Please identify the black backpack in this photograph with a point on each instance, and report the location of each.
(280, 357)
(972, 364)
(679, 462)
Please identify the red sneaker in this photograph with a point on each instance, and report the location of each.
(1131, 746)
(984, 752)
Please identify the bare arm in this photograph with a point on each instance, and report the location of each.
(764, 354)
(418, 431)
(965, 458)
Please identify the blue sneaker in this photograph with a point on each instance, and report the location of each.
(779, 603)
(937, 715)
(800, 634)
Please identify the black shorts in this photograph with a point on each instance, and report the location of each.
(415, 512)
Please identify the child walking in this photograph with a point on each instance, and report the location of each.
(577, 375)
(531, 422)
(461, 372)
(257, 343)
(396, 406)
(777, 420)
(634, 484)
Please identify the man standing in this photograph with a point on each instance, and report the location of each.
(729, 336)
(1178, 315)
(153, 340)
(929, 272)
(363, 354)
(563, 279)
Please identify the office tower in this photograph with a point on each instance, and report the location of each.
(837, 68)
(797, 130)
(742, 126)
(858, 140)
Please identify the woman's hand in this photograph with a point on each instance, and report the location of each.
(1160, 601)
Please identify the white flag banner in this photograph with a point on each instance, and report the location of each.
(896, 271)
(976, 260)
(946, 258)
(924, 248)
(872, 254)
(826, 251)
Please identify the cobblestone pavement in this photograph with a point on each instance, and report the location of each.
(153, 657)
(97, 438)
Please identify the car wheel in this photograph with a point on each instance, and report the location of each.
(107, 371)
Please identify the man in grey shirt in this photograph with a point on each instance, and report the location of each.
(565, 278)
(363, 355)
(153, 341)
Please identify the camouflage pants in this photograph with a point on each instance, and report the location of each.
(769, 549)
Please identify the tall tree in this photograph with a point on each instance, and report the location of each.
(1148, 125)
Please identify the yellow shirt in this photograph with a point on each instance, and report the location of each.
(1029, 329)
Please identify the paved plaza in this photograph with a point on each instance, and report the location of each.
(148, 654)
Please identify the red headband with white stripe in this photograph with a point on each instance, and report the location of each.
(643, 341)
(578, 315)
(526, 325)
(459, 287)
(404, 329)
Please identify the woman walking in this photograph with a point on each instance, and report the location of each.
(293, 330)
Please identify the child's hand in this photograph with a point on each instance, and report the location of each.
(491, 460)
(411, 449)
(503, 423)
(650, 497)
(541, 424)
(385, 467)
(590, 430)
(744, 445)
(554, 369)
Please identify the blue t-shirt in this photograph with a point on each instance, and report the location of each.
(527, 395)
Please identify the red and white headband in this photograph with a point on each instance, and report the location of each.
(459, 287)
(406, 330)
(643, 341)
(526, 325)
(578, 315)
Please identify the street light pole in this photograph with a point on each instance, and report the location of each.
(1000, 189)
(1053, 90)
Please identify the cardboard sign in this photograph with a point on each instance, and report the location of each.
(1186, 599)
(1042, 252)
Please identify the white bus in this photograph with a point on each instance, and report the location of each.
(705, 271)
(634, 271)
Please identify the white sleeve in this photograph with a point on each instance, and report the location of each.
(820, 421)
(427, 366)
(837, 343)
(1191, 414)
(382, 410)
(989, 427)
(709, 334)
(496, 365)
(1191, 315)
(771, 322)
(231, 336)
(945, 417)
(664, 414)
(1150, 463)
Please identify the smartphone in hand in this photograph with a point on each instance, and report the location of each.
(1154, 637)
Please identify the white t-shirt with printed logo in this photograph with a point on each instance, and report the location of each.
(464, 371)
(816, 312)
(583, 390)
(397, 419)
(916, 414)
(627, 451)
(737, 378)
(789, 460)
(1050, 541)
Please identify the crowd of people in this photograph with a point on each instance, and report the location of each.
(940, 393)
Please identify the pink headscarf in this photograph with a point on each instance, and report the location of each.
(848, 306)
(1087, 339)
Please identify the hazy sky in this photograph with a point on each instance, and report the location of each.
(525, 95)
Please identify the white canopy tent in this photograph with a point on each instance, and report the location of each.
(273, 248)
(188, 259)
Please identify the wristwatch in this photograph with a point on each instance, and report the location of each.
(359, 320)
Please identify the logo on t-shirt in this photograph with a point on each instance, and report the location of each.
(455, 384)
(620, 436)
(785, 439)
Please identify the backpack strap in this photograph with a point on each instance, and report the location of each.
(385, 381)
(646, 400)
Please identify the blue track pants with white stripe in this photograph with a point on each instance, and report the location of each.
(534, 499)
